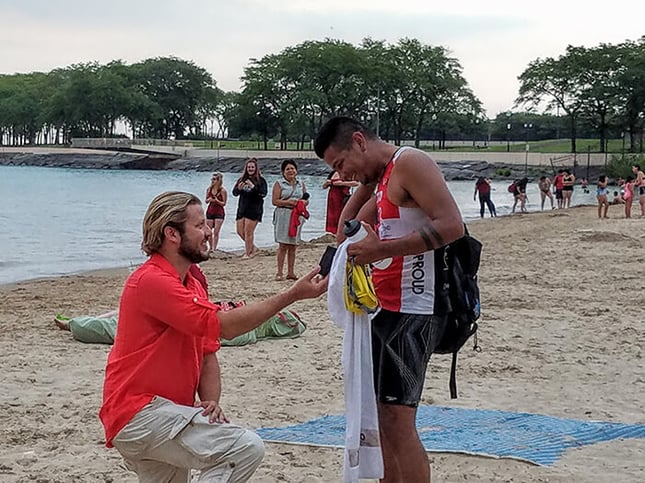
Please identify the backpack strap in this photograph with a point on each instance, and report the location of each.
(453, 376)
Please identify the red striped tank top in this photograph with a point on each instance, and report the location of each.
(407, 284)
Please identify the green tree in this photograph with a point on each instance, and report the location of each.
(555, 82)
(177, 89)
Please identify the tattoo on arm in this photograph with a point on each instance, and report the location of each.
(431, 237)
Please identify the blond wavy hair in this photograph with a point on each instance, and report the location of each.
(167, 209)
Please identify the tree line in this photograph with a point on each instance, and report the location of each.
(404, 91)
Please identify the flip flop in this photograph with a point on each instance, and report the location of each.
(279, 278)
(62, 317)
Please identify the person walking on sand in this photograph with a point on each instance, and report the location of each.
(161, 393)
(544, 184)
(483, 189)
(405, 192)
(216, 197)
(602, 196)
(286, 193)
(251, 187)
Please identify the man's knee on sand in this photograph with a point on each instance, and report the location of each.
(252, 448)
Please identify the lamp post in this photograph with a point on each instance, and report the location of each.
(378, 112)
(527, 126)
(508, 131)
(434, 130)
(475, 129)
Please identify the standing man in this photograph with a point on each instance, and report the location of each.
(404, 194)
(162, 383)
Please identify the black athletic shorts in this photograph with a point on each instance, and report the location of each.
(401, 349)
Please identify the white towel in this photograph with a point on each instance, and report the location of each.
(363, 456)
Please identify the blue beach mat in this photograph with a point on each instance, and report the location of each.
(533, 438)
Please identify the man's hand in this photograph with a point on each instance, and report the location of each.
(213, 409)
(367, 250)
(310, 286)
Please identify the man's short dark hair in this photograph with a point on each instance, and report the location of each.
(338, 131)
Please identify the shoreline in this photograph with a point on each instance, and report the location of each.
(264, 250)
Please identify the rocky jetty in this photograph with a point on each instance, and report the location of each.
(452, 171)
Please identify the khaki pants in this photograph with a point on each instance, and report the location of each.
(164, 441)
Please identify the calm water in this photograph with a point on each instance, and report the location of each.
(57, 221)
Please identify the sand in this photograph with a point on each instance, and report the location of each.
(562, 334)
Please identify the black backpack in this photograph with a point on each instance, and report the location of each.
(458, 263)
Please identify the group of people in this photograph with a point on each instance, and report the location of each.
(161, 395)
(289, 197)
(633, 185)
(561, 188)
(251, 188)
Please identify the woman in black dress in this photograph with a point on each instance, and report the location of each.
(251, 187)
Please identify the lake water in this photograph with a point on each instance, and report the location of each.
(56, 221)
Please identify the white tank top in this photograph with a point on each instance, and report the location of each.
(408, 284)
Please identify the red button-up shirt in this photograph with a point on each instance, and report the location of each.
(165, 328)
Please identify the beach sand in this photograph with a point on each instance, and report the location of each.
(561, 334)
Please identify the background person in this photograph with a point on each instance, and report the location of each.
(544, 185)
(628, 195)
(216, 197)
(251, 187)
(285, 195)
(415, 214)
(519, 194)
(339, 193)
(602, 196)
(639, 185)
(483, 189)
(557, 186)
(161, 394)
(568, 180)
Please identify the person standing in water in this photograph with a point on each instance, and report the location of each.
(483, 188)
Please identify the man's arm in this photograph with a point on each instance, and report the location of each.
(210, 389)
(362, 194)
(243, 319)
(416, 181)
(168, 300)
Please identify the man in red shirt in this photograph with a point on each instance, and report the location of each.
(162, 380)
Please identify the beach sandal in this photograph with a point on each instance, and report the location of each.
(62, 318)
(279, 278)
(292, 277)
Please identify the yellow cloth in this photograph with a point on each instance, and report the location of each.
(360, 296)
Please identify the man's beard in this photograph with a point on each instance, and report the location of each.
(190, 253)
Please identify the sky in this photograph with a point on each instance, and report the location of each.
(494, 41)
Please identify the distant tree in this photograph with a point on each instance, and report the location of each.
(178, 89)
(631, 80)
(555, 82)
